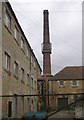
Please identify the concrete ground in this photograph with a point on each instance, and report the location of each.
(64, 114)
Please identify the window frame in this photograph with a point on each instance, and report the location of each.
(32, 82)
(10, 108)
(61, 83)
(7, 61)
(28, 80)
(16, 33)
(7, 20)
(15, 69)
(27, 52)
(34, 64)
(22, 44)
(74, 81)
(22, 75)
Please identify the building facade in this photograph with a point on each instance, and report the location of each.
(67, 86)
(0, 58)
(19, 67)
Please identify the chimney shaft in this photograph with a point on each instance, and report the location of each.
(46, 27)
(46, 46)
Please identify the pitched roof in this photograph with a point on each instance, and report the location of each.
(70, 72)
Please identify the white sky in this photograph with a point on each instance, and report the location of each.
(65, 26)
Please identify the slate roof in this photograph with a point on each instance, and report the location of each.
(69, 73)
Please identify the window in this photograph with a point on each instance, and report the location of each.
(74, 82)
(32, 82)
(10, 109)
(35, 85)
(16, 69)
(22, 103)
(74, 97)
(16, 34)
(34, 64)
(28, 81)
(7, 61)
(28, 104)
(31, 59)
(27, 52)
(22, 74)
(22, 44)
(61, 83)
(7, 21)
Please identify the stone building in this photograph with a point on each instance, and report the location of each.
(19, 67)
(67, 86)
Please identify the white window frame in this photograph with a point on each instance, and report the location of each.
(7, 61)
(27, 52)
(15, 69)
(34, 64)
(8, 21)
(22, 44)
(31, 58)
(16, 33)
(61, 85)
(22, 74)
(74, 85)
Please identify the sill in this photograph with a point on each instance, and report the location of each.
(8, 29)
(74, 86)
(61, 86)
(8, 71)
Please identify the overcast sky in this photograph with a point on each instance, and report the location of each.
(65, 26)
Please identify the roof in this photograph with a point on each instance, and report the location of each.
(69, 73)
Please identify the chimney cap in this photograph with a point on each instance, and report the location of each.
(45, 12)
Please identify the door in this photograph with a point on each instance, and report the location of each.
(62, 103)
(9, 108)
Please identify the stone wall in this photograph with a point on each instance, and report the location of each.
(0, 58)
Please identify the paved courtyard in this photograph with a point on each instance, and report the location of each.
(66, 115)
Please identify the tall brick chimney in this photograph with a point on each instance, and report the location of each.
(46, 45)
